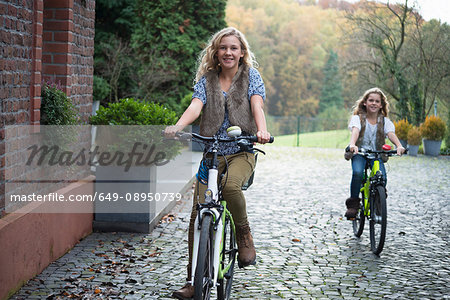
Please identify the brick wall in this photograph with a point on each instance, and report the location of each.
(68, 49)
(18, 23)
(51, 40)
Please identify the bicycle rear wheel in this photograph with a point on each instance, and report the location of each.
(358, 222)
(203, 279)
(378, 220)
(228, 259)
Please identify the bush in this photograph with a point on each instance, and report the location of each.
(414, 136)
(101, 89)
(433, 128)
(56, 107)
(129, 111)
(401, 129)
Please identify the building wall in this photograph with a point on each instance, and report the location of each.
(40, 40)
(19, 44)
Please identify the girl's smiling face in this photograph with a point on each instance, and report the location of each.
(229, 52)
(373, 103)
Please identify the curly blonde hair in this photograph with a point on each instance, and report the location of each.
(359, 107)
(208, 60)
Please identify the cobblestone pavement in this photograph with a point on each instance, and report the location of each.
(306, 250)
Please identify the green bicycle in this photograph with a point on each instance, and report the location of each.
(215, 248)
(373, 195)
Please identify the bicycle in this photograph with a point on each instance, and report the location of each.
(215, 248)
(373, 199)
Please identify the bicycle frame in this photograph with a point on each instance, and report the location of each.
(216, 207)
(366, 188)
(373, 194)
(218, 210)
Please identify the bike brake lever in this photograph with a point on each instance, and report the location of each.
(259, 150)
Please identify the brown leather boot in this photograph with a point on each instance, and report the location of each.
(352, 208)
(246, 249)
(185, 293)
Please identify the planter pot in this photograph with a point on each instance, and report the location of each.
(431, 147)
(403, 142)
(115, 207)
(413, 150)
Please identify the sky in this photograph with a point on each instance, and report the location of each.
(428, 9)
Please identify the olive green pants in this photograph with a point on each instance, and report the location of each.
(240, 168)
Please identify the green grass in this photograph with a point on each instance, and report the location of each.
(322, 139)
(328, 139)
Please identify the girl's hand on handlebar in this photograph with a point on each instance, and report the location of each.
(400, 150)
(170, 131)
(263, 136)
(354, 149)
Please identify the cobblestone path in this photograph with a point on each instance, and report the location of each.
(306, 250)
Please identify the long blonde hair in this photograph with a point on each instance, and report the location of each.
(208, 60)
(359, 107)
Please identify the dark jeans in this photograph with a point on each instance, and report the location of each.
(358, 164)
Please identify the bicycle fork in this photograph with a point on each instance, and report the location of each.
(211, 197)
(215, 243)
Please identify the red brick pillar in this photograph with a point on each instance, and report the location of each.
(57, 42)
(36, 66)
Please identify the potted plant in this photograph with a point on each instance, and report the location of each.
(433, 131)
(129, 131)
(414, 141)
(401, 130)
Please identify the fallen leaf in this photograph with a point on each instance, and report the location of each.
(130, 280)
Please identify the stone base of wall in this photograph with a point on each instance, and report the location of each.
(30, 241)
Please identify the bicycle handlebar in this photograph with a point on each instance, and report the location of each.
(366, 152)
(250, 138)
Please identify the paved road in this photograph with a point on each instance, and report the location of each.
(306, 250)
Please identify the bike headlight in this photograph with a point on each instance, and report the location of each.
(234, 131)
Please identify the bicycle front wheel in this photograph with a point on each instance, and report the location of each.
(378, 220)
(203, 279)
(358, 222)
(229, 250)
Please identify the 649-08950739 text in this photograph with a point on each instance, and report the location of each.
(102, 197)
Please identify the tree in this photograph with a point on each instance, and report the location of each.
(394, 48)
(379, 34)
(429, 54)
(331, 87)
(168, 38)
(113, 58)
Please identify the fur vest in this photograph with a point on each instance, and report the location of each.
(380, 136)
(236, 102)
